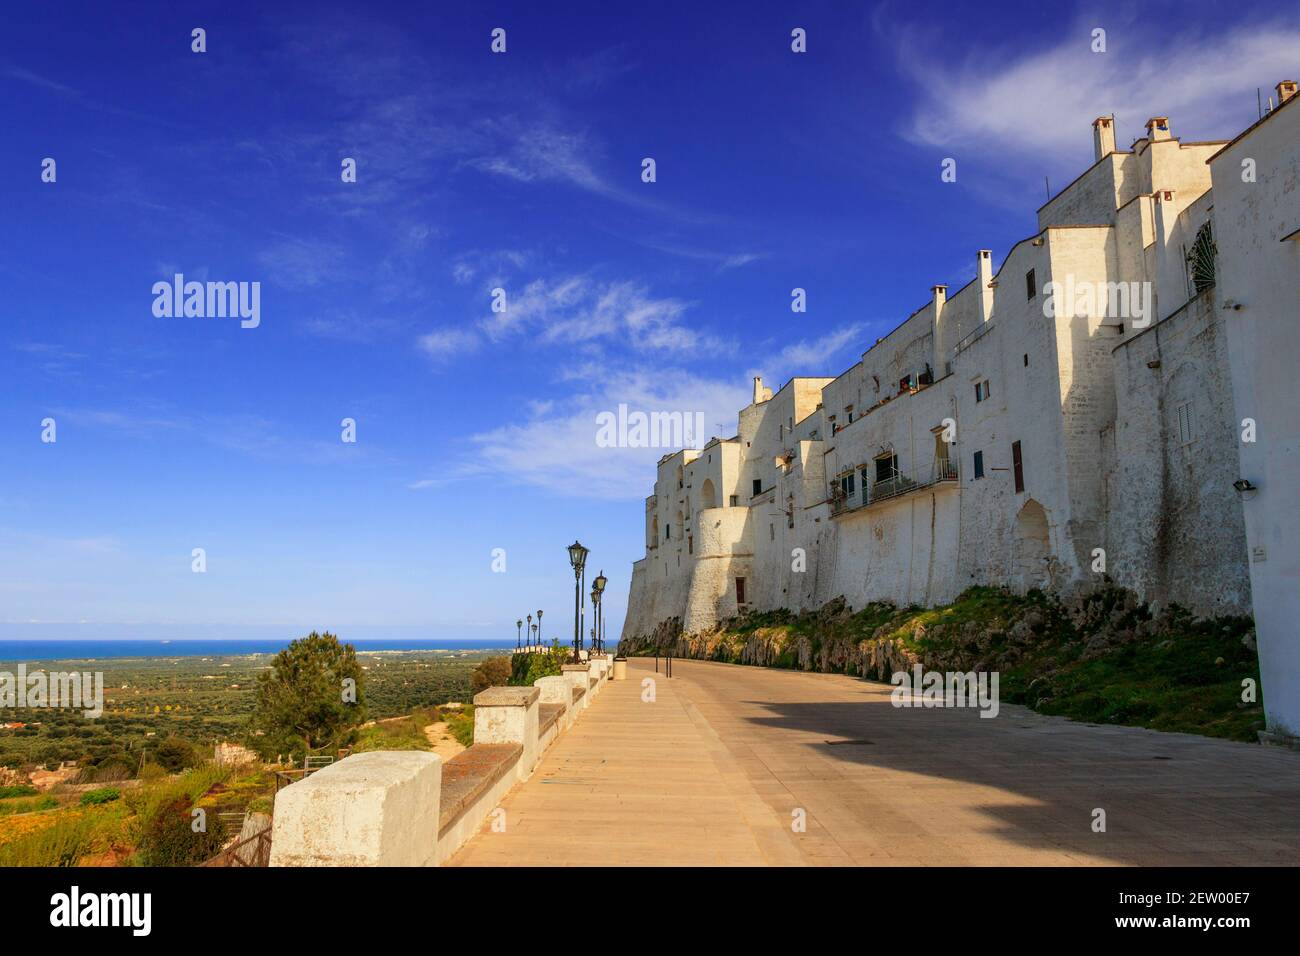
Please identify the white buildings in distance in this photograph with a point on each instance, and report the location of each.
(1120, 399)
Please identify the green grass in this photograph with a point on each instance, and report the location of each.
(62, 844)
(405, 733)
(34, 805)
(461, 724)
(101, 795)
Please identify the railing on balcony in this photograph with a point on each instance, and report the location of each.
(899, 483)
(971, 337)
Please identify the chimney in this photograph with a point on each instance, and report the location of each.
(1103, 137)
(1170, 278)
(940, 295)
(1158, 129)
(984, 276)
(758, 389)
(1285, 90)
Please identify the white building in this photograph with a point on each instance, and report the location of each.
(1257, 228)
(1068, 418)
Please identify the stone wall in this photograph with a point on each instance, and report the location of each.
(410, 808)
(1175, 531)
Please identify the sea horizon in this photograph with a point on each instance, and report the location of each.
(106, 648)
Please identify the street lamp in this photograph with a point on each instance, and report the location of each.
(530, 622)
(539, 628)
(518, 630)
(578, 558)
(597, 589)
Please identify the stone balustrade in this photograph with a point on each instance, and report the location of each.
(411, 808)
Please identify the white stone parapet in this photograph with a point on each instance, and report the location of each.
(557, 689)
(508, 715)
(579, 676)
(410, 808)
(370, 809)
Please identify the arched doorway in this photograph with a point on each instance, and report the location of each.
(708, 497)
(1033, 547)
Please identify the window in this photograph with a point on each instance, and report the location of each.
(780, 432)
(1186, 424)
(1026, 360)
(1031, 284)
(846, 485)
(1200, 260)
(668, 531)
(865, 475)
(1017, 466)
(979, 464)
(771, 532)
(735, 500)
(740, 590)
(690, 544)
(758, 486)
(982, 390)
(886, 467)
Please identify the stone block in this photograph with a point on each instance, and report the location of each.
(370, 809)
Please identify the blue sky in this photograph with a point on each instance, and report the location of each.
(475, 170)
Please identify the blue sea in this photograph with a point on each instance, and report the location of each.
(57, 649)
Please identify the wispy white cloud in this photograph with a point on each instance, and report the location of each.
(304, 263)
(1041, 105)
(813, 357)
(579, 310)
(557, 450)
(442, 344)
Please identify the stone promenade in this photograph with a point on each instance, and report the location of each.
(714, 770)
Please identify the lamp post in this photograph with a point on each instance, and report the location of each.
(578, 559)
(534, 637)
(597, 589)
(539, 628)
(518, 630)
(530, 622)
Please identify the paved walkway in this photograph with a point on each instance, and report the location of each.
(711, 772)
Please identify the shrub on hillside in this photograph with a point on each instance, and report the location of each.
(527, 668)
(174, 837)
(102, 795)
(174, 754)
(493, 672)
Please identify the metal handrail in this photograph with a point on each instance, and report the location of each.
(898, 483)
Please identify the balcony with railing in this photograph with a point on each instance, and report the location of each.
(897, 484)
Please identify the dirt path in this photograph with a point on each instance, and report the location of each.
(444, 744)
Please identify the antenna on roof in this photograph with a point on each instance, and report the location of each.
(1048, 186)
(1259, 104)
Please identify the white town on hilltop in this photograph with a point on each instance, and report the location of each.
(1119, 399)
